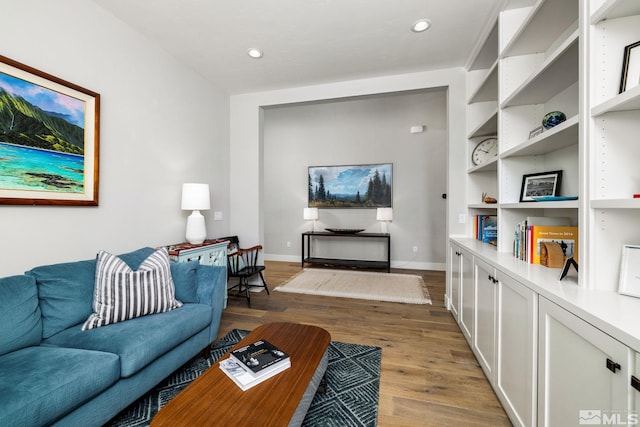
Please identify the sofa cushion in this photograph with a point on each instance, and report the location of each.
(121, 294)
(185, 279)
(20, 318)
(40, 384)
(65, 290)
(139, 341)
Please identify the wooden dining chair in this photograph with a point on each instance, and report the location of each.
(242, 264)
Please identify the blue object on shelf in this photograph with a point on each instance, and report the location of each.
(553, 198)
(552, 119)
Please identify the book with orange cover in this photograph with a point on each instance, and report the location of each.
(566, 237)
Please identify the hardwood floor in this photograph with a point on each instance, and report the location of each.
(429, 375)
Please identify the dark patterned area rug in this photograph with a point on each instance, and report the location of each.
(351, 398)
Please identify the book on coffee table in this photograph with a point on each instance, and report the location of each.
(260, 358)
(243, 378)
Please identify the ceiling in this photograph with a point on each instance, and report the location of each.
(307, 42)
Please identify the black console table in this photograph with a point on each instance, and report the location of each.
(354, 263)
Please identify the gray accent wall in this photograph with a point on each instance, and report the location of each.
(359, 130)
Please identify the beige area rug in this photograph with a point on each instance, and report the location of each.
(406, 288)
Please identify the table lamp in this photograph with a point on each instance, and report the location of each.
(311, 214)
(195, 197)
(385, 216)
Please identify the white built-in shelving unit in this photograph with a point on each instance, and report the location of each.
(612, 127)
(536, 337)
(527, 67)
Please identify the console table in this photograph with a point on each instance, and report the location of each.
(355, 263)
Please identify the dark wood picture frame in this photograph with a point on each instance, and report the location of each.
(540, 184)
(630, 67)
(49, 139)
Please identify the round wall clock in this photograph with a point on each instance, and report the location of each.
(486, 150)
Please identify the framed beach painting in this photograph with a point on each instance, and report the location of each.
(49, 139)
(351, 186)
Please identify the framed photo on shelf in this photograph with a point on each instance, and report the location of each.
(49, 139)
(630, 271)
(537, 131)
(540, 184)
(630, 67)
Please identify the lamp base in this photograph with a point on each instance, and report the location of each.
(384, 227)
(196, 230)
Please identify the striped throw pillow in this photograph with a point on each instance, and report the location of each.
(121, 293)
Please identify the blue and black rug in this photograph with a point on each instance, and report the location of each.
(351, 398)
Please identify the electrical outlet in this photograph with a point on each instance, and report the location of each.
(288, 244)
(462, 218)
(415, 249)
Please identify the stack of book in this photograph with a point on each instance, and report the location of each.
(533, 231)
(486, 228)
(252, 364)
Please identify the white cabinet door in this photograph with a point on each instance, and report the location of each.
(484, 343)
(583, 373)
(455, 280)
(517, 338)
(634, 415)
(467, 296)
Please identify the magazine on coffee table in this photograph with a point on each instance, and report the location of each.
(260, 358)
(243, 378)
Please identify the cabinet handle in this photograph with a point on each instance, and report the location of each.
(612, 366)
(495, 280)
(635, 383)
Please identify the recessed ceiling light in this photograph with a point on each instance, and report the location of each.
(255, 53)
(421, 25)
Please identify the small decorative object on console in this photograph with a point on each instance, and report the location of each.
(552, 119)
(345, 230)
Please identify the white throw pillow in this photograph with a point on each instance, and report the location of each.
(121, 293)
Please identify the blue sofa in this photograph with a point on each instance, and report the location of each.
(53, 373)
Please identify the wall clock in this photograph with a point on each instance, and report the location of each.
(484, 151)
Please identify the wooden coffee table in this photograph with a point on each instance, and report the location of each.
(213, 399)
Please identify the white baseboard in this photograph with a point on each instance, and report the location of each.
(408, 265)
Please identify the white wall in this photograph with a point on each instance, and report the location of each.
(161, 125)
(246, 196)
(373, 129)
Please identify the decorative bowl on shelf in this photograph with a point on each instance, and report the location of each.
(552, 119)
(345, 230)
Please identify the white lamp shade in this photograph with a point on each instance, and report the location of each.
(195, 197)
(384, 214)
(310, 213)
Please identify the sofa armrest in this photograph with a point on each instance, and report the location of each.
(212, 286)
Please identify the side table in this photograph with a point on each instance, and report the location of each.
(209, 252)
